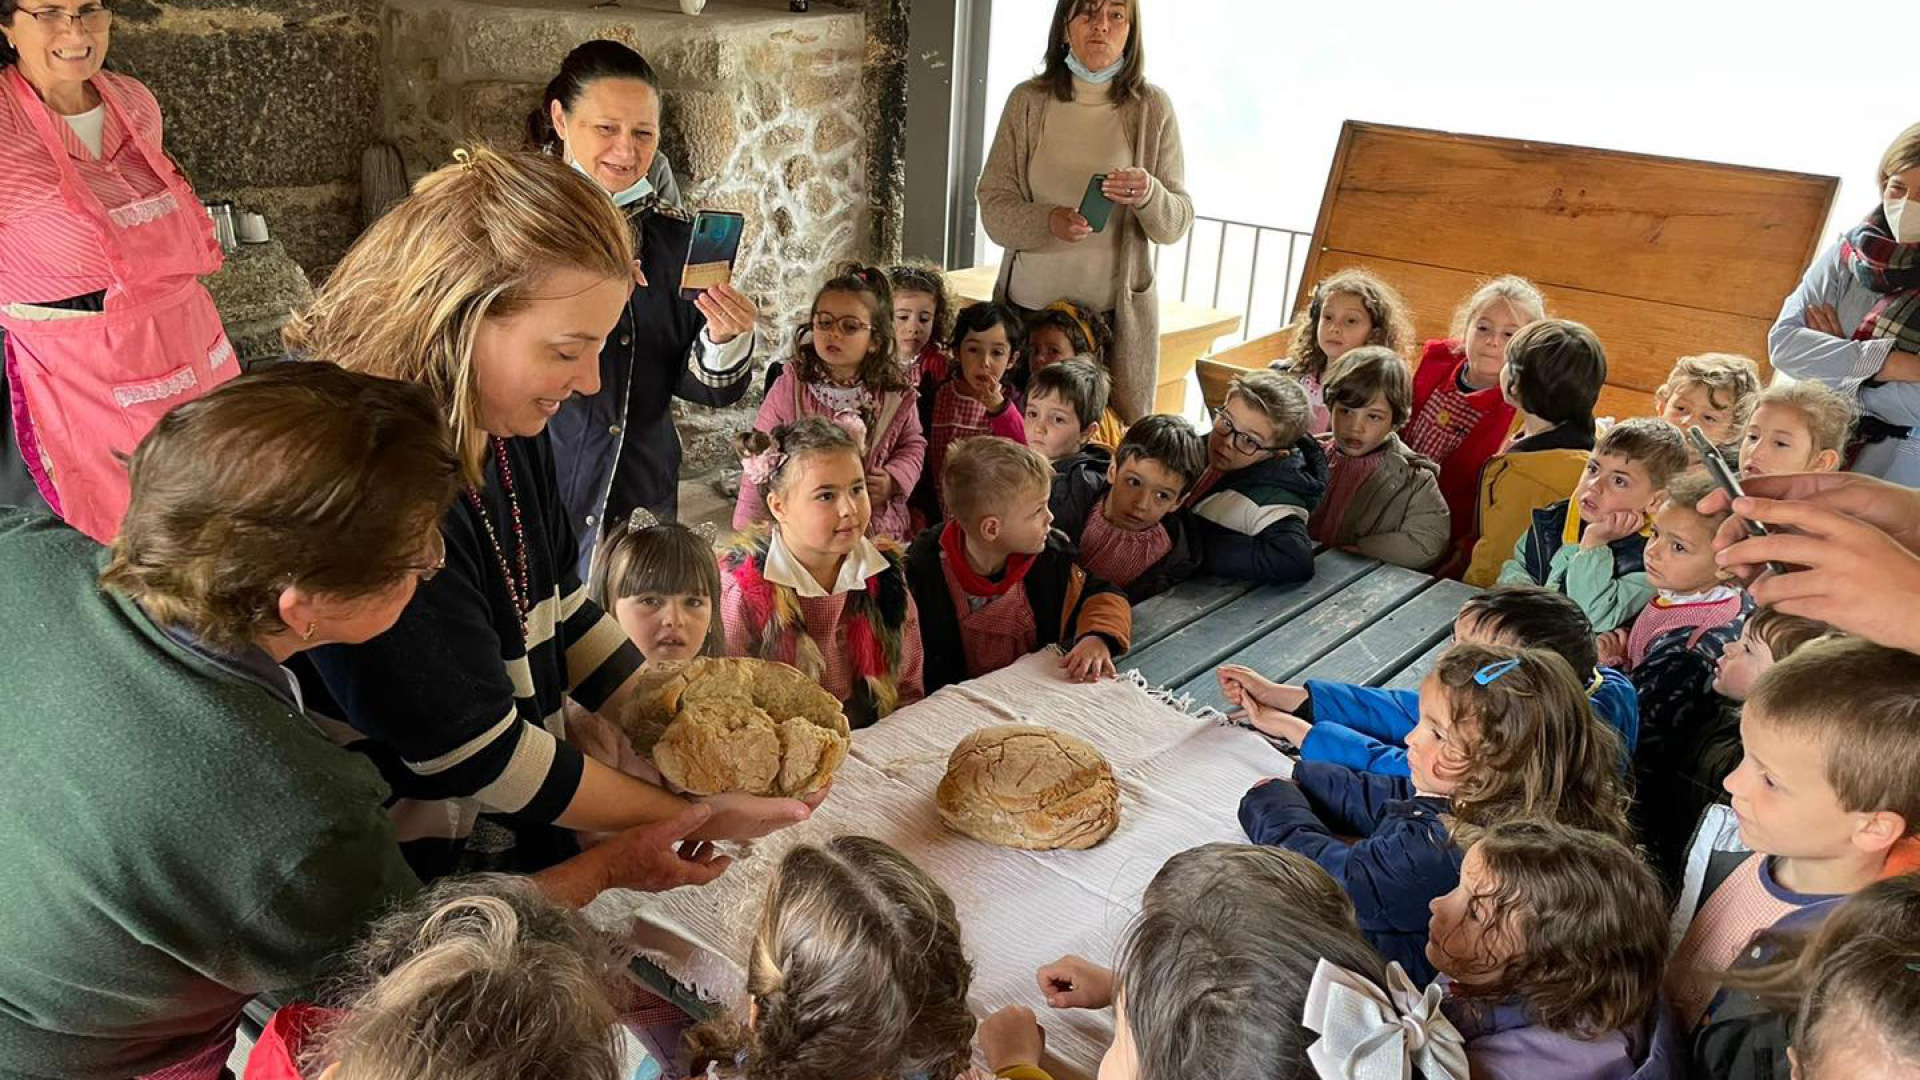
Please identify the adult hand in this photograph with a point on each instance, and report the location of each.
(1889, 507)
(879, 486)
(729, 313)
(1240, 684)
(1089, 661)
(1128, 187)
(1842, 570)
(1824, 318)
(1012, 1037)
(1065, 223)
(1611, 527)
(643, 858)
(749, 817)
(1074, 982)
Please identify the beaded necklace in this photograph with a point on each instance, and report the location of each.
(520, 595)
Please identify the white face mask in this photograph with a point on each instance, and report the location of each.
(634, 192)
(1104, 75)
(1903, 220)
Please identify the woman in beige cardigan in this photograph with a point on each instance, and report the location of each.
(1090, 111)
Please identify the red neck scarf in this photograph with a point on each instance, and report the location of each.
(953, 543)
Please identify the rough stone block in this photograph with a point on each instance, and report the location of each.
(315, 224)
(507, 46)
(701, 130)
(322, 111)
(496, 113)
(834, 135)
(708, 60)
(797, 171)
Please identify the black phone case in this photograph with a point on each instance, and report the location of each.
(1094, 205)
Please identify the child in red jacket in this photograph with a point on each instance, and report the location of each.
(1460, 417)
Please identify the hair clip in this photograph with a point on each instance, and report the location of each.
(641, 518)
(462, 157)
(1492, 672)
(759, 469)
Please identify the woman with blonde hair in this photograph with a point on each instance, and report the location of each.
(494, 286)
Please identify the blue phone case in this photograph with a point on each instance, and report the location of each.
(711, 251)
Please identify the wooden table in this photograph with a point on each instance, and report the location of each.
(1187, 332)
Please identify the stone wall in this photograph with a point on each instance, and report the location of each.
(266, 103)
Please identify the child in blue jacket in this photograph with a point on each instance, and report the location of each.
(1265, 475)
(1504, 733)
(1365, 727)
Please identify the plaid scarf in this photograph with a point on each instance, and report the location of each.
(1878, 261)
(875, 617)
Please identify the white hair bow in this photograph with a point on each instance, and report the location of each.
(1367, 1033)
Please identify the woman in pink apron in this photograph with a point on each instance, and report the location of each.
(102, 242)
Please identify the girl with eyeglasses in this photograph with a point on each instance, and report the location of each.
(843, 369)
(102, 244)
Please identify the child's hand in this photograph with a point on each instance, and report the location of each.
(1089, 661)
(879, 486)
(1074, 982)
(1614, 526)
(1612, 647)
(1274, 722)
(1012, 1037)
(1240, 685)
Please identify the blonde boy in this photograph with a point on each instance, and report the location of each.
(1827, 797)
(1589, 546)
(1799, 426)
(997, 581)
(1717, 391)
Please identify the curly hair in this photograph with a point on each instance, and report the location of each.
(857, 970)
(878, 372)
(1528, 745)
(920, 277)
(481, 977)
(1587, 918)
(1392, 327)
(1732, 382)
(1828, 414)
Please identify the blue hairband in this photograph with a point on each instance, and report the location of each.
(1492, 672)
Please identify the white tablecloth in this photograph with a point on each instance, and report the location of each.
(1180, 785)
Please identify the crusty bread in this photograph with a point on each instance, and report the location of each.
(1029, 787)
(718, 725)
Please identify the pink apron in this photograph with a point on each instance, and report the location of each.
(85, 390)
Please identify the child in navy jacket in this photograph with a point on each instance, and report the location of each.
(1503, 733)
(1365, 727)
(1265, 475)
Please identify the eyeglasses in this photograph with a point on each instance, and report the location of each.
(93, 18)
(846, 325)
(438, 564)
(1241, 441)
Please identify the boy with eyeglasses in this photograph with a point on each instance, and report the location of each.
(1265, 475)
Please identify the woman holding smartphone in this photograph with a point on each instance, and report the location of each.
(1090, 113)
(617, 449)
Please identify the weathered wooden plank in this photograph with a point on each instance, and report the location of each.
(1186, 602)
(1408, 677)
(1378, 652)
(1199, 645)
(1284, 651)
(1702, 235)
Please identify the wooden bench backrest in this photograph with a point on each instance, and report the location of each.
(1662, 257)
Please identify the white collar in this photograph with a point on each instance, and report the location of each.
(783, 568)
(1711, 596)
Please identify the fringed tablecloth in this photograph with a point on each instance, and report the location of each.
(1180, 777)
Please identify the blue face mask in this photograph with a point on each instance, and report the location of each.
(636, 191)
(1087, 74)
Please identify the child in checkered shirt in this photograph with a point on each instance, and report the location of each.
(974, 401)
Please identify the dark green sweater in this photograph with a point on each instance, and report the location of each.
(174, 837)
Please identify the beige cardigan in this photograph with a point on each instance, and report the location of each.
(1017, 223)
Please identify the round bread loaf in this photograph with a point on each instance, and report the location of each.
(716, 725)
(1023, 786)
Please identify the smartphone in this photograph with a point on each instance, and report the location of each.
(1094, 205)
(711, 251)
(1726, 480)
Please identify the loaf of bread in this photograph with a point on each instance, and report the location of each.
(716, 725)
(1030, 787)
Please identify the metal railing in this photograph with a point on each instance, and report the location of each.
(1246, 269)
